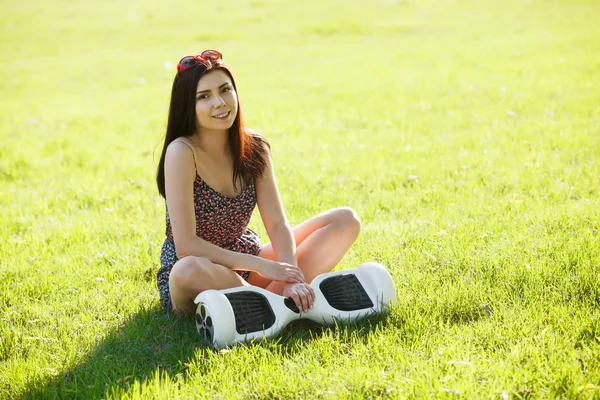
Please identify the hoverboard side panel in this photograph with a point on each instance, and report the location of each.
(252, 311)
(345, 293)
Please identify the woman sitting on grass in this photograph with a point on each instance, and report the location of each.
(213, 172)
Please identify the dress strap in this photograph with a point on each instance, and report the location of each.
(184, 141)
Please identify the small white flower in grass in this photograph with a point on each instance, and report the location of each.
(503, 88)
(411, 180)
(454, 362)
(511, 113)
(168, 65)
(514, 198)
(452, 391)
(141, 80)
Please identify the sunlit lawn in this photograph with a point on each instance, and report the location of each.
(464, 133)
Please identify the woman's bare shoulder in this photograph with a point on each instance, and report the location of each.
(180, 143)
(180, 154)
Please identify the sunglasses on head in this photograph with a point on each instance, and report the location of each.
(204, 58)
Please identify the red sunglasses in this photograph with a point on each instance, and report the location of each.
(188, 62)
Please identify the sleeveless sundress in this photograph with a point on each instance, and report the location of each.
(221, 220)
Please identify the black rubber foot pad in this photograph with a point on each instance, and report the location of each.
(345, 293)
(252, 312)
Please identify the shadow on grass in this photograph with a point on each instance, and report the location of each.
(296, 334)
(156, 340)
(149, 341)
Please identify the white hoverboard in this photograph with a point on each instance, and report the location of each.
(228, 316)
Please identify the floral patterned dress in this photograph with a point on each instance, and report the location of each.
(221, 220)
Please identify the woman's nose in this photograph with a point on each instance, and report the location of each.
(219, 101)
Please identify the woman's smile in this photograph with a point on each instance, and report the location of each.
(222, 116)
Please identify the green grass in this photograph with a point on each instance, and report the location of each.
(466, 135)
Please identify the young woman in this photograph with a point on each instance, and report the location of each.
(213, 172)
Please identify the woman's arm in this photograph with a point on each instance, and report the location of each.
(281, 235)
(273, 215)
(180, 173)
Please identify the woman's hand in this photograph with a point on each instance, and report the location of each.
(280, 271)
(302, 294)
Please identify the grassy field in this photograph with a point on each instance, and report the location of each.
(466, 134)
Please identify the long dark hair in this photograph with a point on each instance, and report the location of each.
(247, 147)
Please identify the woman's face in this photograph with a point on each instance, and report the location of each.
(216, 101)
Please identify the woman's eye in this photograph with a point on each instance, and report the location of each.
(227, 89)
(202, 97)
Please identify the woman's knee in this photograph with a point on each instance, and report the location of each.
(188, 269)
(348, 219)
(197, 274)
